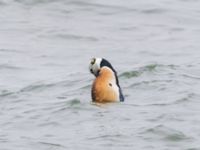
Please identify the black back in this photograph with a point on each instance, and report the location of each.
(104, 62)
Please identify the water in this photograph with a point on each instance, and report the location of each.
(45, 50)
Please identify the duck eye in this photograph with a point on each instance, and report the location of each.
(93, 61)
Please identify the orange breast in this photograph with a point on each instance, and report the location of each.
(103, 89)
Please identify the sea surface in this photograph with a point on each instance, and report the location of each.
(45, 83)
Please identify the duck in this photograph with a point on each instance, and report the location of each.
(105, 87)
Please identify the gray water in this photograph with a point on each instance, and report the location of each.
(45, 50)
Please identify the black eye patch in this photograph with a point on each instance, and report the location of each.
(91, 71)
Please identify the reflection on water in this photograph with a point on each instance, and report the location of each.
(45, 49)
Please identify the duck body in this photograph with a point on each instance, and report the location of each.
(105, 87)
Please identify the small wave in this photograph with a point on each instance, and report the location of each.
(75, 37)
(11, 95)
(167, 134)
(150, 82)
(140, 71)
(97, 5)
(33, 2)
(51, 145)
(74, 102)
(186, 98)
(130, 74)
(177, 29)
(37, 87)
(191, 76)
(87, 86)
(42, 86)
(64, 36)
(9, 67)
(129, 28)
(72, 105)
(109, 137)
(10, 51)
(145, 69)
(5, 93)
(154, 11)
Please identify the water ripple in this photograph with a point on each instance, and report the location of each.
(51, 145)
(167, 134)
(146, 69)
(154, 11)
(9, 67)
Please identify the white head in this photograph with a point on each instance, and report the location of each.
(95, 65)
